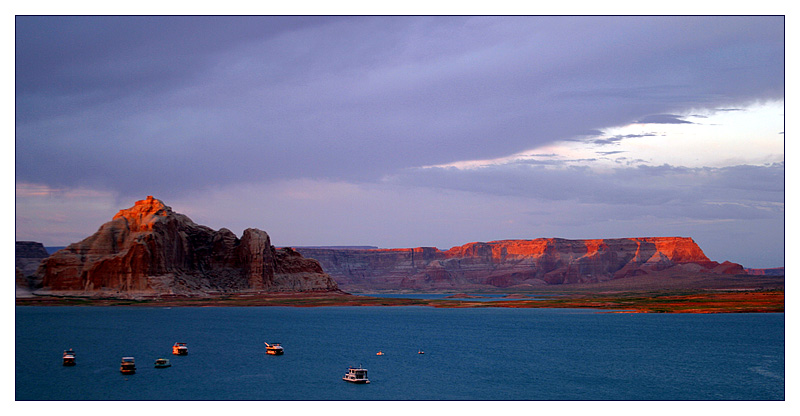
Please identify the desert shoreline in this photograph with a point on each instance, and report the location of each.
(735, 300)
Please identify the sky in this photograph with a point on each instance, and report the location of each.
(408, 131)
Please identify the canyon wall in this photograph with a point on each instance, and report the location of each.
(150, 250)
(515, 263)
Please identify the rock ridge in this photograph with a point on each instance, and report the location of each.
(516, 263)
(149, 249)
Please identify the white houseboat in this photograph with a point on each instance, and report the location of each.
(162, 363)
(180, 348)
(356, 375)
(274, 349)
(69, 357)
(127, 366)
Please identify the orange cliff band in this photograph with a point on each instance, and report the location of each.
(516, 264)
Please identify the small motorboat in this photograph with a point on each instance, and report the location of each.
(127, 366)
(162, 363)
(356, 375)
(379, 353)
(274, 349)
(420, 352)
(180, 348)
(69, 357)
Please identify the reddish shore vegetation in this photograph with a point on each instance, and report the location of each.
(657, 302)
(707, 302)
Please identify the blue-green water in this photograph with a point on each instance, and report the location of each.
(470, 354)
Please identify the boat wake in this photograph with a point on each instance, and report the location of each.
(764, 370)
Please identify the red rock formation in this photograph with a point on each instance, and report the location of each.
(149, 249)
(515, 263)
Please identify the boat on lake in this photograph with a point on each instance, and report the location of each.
(69, 357)
(274, 349)
(421, 352)
(180, 348)
(162, 363)
(356, 375)
(379, 353)
(127, 366)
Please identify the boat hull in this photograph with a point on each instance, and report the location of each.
(355, 381)
(275, 352)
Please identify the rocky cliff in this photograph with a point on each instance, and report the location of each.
(150, 250)
(28, 256)
(515, 263)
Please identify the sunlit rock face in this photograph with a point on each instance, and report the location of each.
(149, 249)
(515, 263)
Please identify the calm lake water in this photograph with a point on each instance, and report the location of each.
(470, 354)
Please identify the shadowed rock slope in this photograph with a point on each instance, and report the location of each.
(28, 256)
(516, 263)
(150, 250)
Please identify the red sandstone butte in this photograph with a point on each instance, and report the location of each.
(515, 263)
(150, 250)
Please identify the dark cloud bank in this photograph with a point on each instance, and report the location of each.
(175, 104)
